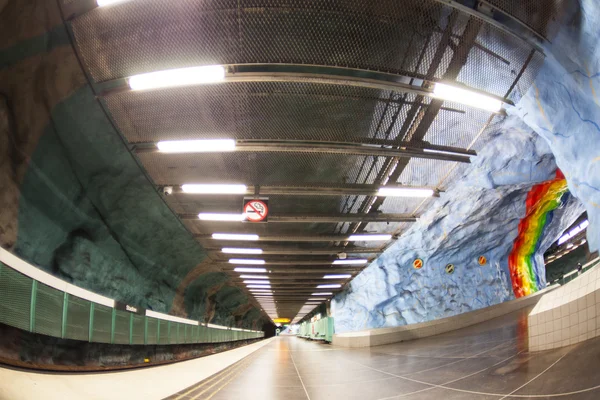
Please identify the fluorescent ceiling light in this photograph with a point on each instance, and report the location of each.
(246, 261)
(404, 192)
(357, 261)
(573, 232)
(253, 281)
(258, 286)
(340, 276)
(233, 250)
(254, 277)
(177, 77)
(322, 294)
(369, 238)
(250, 270)
(260, 290)
(209, 188)
(467, 97)
(196, 146)
(317, 299)
(331, 286)
(103, 3)
(221, 217)
(234, 236)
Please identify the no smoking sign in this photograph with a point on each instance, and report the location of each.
(256, 210)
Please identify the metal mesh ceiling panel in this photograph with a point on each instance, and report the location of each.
(138, 37)
(251, 168)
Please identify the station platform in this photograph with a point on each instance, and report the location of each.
(490, 360)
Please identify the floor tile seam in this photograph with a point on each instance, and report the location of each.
(343, 384)
(300, 377)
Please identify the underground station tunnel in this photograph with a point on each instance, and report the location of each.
(299, 199)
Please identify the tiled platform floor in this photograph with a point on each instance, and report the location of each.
(485, 361)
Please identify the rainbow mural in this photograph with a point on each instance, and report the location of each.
(541, 200)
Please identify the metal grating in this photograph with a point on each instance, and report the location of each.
(353, 33)
(48, 310)
(122, 327)
(137, 334)
(538, 15)
(15, 298)
(102, 323)
(152, 330)
(78, 318)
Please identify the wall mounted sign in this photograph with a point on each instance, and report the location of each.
(256, 210)
(132, 309)
(482, 260)
(418, 263)
(450, 268)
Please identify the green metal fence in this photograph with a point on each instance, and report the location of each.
(321, 329)
(568, 277)
(28, 304)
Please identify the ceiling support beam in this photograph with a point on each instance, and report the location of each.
(291, 238)
(327, 218)
(442, 153)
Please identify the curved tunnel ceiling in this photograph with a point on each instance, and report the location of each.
(327, 102)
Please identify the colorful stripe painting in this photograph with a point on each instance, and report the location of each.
(541, 201)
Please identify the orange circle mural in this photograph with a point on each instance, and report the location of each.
(482, 260)
(418, 263)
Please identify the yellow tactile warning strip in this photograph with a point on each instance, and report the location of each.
(209, 387)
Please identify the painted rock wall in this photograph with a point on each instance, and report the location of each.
(478, 216)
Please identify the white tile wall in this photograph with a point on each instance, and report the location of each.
(567, 315)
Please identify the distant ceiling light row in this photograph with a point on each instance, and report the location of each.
(329, 286)
(216, 73)
(246, 261)
(250, 270)
(224, 188)
(253, 237)
(357, 261)
(232, 250)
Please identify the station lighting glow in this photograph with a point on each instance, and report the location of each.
(263, 282)
(262, 291)
(467, 97)
(234, 236)
(251, 286)
(369, 238)
(221, 217)
(404, 192)
(358, 261)
(250, 270)
(317, 299)
(254, 277)
(329, 286)
(233, 250)
(248, 261)
(209, 188)
(196, 146)
(573, 232)
(340, 276)
(177, 77)
(322, 294)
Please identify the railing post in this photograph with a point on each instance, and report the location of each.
(91, 328)
(168, 332)
(158, 331)
(32, 305)
(130, 328)
(145, 330)
(63, 328)
(112, 326)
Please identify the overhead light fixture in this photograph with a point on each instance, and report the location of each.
(210, 188)
(234, 236)
(248, 261)
(177, 77)
(233, 250)
(329, 286)
(404, 192)
(254, 277)
(357, 261)
(467, 97)
(260, 291)
(253, 281)
(317, 299)
(250, 270)
(258, 286)
(573, 232)
(103, 3)
(338, 276)
(322, 294)
(221, 217)
(196, 146)
(369, 238)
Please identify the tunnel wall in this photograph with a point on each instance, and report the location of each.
(74, 202)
